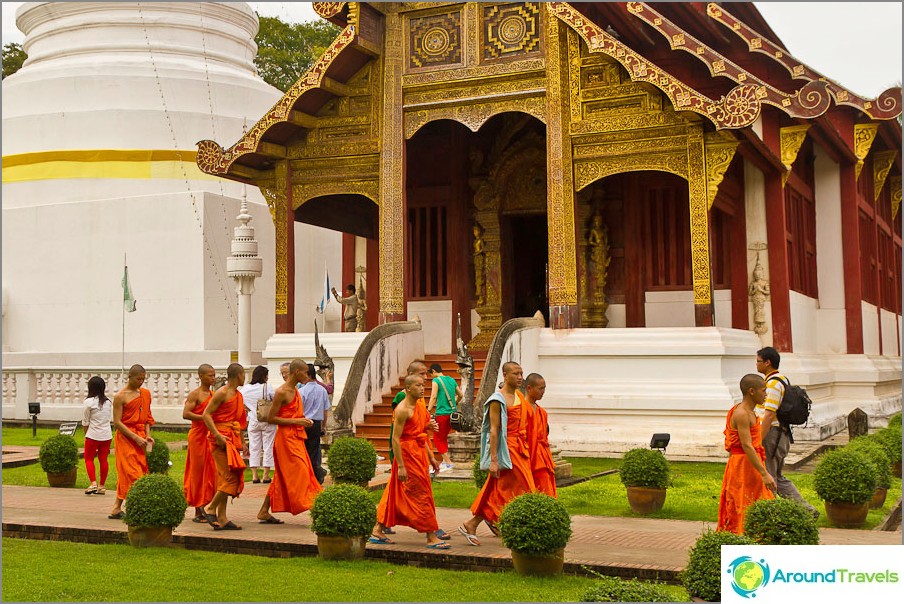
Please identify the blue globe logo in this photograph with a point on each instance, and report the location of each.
(748, 575)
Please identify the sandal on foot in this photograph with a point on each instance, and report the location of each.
(256, 481)
(388, 531)
(101, 490)
(380, 540)
(91, 490)
(271, 520)
(441, 534)
(199, 519)
(116, 516)
(440, 545)
(492, 528)
(229, 526)
(211, 518)
(472, 539)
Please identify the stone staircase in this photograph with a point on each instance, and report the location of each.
(376, 424)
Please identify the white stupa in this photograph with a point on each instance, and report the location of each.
(99, 133)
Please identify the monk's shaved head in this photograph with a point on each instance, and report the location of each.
(751, 380)
(532, 379)
(413, 379)
(136, 370)
(508, 366)
(417, 366)
(298, 365)
(234, 370)
(204, 368)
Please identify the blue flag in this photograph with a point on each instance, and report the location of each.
(325, 300)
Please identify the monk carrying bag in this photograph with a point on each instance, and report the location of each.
(263, 406)
(795, 407)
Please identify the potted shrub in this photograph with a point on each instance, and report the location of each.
(702, 578)
(480, 476)
(876, 452)
(645, 473)
(780, 521)
(155, 506)
(59, 458)
(159, 458)
(846, 480)
(536, 528)
(890, 438)
(352, 460)
(616, 589)
(342, 517)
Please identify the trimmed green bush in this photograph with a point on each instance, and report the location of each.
(159, 458)
(480, 476)
(58, 453)
(343, 510)
(876, 452)
(534, 524)
(155, 500)
(780, 521)
(616, 589)
(703, 576)
(895, 420)
(890, 438)
(644, 468)
(352, 460)
(845, 476)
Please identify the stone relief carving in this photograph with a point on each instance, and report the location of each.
(759, 292)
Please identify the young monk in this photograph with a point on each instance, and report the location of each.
(408, 497)
(294, 485)
(543, 468)
(225, 418)
(200, 479)
(504, 453)
(746, 479)
(133, 420)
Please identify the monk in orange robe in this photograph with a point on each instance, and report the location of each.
(200, 479)
(542, 466)
(225, 419)
(133, 420)
(503, 453)
(294, 486)
(746, 479)
(408, 497)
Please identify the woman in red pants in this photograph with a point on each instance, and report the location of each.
(98, 435)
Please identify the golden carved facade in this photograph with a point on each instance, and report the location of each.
(790, 140)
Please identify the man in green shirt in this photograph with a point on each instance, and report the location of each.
(441, 407)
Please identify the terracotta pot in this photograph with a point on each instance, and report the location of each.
(62, 479)
(646, 500)
(539, 566)
(878, 499)
(847, 515)
(896, 469)
(341, 548)
(150, 536)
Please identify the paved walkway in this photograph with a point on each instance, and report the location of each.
(642, 547)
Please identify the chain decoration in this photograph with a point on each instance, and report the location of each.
(810, 101)
(739, 108)
(885, 107)
(212, 159)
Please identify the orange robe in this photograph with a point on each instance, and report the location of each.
(741, 484)
(497, 492)
(542, 466)
(230, 419)
(200, 479)
(410, 503)
(131, 459)
(294, 485)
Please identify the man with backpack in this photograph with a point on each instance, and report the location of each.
(775, 422)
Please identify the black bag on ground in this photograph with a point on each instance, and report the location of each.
(795, 407)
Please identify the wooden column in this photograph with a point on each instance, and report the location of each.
(564, 312)
(279, 198)
(392, 179)
(850, 249)
(635, 298)
(776, 240)
(701, 273)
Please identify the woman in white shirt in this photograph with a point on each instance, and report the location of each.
(98, 435)
(260, 434)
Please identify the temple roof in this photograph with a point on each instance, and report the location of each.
(718, 63)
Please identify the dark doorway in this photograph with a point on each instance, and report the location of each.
(525, 266)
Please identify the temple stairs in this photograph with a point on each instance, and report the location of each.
(376, 424)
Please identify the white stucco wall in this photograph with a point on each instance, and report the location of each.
(831, 336)
(676, 309)
(755, 215)
(870, 316)
(436, 319)
(804, 324)
(890, 334)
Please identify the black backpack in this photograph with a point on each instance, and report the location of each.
(795, 406)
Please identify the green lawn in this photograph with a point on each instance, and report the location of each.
(43, 571)
(22, 436)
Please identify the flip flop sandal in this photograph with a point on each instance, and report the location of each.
(380, 540)
(116, 516)
(492, 528)
(440, 545)
(266, 481)
(271, 520)
(472, 539)
(388, 531)
(441, 534)
(229, 526)
(91, 490)
(199, 519)
(211, 519)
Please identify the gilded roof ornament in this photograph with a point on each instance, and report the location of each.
(864, 136)
(882, 164)
(328, 9)
(790, 140)
(895, 184)
(885, 107)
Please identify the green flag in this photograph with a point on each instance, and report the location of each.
(128, 299)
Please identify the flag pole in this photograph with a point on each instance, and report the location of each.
(122, 368)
